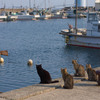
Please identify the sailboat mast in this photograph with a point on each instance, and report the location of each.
(49, 4)
(45, 4)
(64, 3)
(76, 17)
(34, 3)
(29, 3)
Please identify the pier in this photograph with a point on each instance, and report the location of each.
(82, 90)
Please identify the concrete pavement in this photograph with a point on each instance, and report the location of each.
(83, 90)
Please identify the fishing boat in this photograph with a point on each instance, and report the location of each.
(41, 15)
(23, 15)
(58, 14)
(88, 38)
(71, 14)
(3, 16)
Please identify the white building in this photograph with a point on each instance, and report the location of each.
(97, 4)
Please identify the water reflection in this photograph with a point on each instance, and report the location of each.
(39, 41)
(84, 55)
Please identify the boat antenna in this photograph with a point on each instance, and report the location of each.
(76, 16)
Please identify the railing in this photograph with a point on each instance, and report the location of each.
(91, 31)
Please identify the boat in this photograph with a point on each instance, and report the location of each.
(41, 15)
(59, 15)
(23, 15)
(3, 17)
(90, 37)
(71, 14)
(66, 32)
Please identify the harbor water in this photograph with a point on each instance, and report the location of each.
(41, 42)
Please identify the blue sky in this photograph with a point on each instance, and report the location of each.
(39, 3)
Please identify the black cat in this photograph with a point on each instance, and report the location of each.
(44, 75)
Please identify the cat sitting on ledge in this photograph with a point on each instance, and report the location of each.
(44, 75)
(68, 79)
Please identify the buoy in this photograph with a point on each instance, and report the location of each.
(30, 62)
(1, 60)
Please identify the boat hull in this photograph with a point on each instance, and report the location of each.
(42, 17)
(3, 18)
(83, 46)
(83, 41)
(24, 17)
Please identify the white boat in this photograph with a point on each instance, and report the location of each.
(42, 17)
(70, 14)
(91, 38)
(59, 15)
(23, 15)
(80, 31)
(3, 16)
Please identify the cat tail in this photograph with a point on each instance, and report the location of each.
(55, 81)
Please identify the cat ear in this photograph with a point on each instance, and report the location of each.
(61, 70)
(90, 65)
(66, 69)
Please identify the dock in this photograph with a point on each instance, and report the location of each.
(82, 89)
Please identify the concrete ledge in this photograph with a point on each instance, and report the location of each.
(22, 93)
(26, 92)
(3, 99)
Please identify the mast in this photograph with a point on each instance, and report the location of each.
(29, 3)
(64, 3)
(76, 17)
(49, 4)
(45, 4)
(34, 4)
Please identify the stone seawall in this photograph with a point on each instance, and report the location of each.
(37, 89)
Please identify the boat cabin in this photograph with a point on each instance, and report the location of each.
(92, 17)
(99, 27)
(93, 23)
